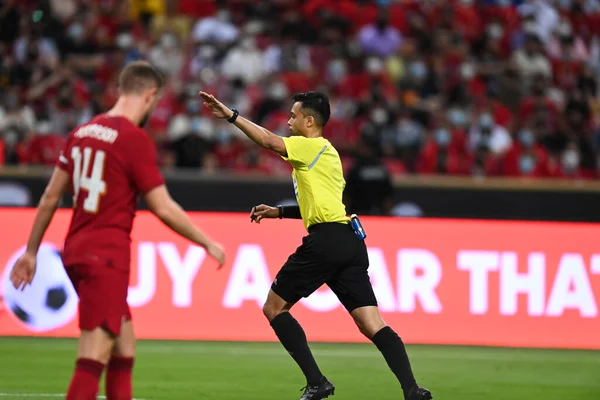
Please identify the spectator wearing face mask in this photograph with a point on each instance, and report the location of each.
(526, 157)
(459, 120)
(487, 134)
(567, 164)
(443, 153)
(190, 135)
(419, 80)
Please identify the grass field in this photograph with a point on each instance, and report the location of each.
(41, 368)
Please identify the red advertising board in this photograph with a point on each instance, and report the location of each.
(518, 284)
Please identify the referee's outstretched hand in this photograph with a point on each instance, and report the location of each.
(263, 211)
(217, 108)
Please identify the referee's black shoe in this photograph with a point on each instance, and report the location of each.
(317, 392)
(418, 393)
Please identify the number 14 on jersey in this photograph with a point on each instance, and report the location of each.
(94, 183)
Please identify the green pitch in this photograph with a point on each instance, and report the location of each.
(41, 368)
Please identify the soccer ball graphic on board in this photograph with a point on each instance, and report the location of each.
(50, 301)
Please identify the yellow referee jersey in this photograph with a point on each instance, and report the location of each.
(318, 179)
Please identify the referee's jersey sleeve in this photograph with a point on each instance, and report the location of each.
(302, 151)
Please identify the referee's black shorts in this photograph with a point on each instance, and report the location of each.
(331, 253)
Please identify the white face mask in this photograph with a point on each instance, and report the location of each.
(418, 70)
(486, 121)
(124, 41)
(570, 159)
(495, 31)
(207, 52)
(374, 65)
(564, 29)
(44, 128)
(530, 27)
(379, 116)
(337, 70)
(248, 44)
(278, 91)
(223, 16)
(11, 138)
(76, 31)
(168, 41)
(467, 71)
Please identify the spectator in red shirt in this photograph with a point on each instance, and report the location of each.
(526, 157)
(441, 154)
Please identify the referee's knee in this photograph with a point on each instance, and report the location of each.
(271, 310)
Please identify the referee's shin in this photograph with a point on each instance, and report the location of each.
(391, 346)
(292, 337)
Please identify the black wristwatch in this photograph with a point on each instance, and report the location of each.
(234, 116)
(280, 208)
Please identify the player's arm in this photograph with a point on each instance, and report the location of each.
(171, 214)
(24, 269)
(58, 185)
(259, 135)
(265, 211)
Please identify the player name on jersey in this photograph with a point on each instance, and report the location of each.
(97, 131)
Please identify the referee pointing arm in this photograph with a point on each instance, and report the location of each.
(332, 252)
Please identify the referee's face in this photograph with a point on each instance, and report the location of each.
(298, 121)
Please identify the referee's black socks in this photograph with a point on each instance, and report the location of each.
(292, 337)
(390, 345)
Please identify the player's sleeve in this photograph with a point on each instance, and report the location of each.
(63, 161)
(144, 170)
(303, 152)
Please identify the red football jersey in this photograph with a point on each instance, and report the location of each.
(111, 161)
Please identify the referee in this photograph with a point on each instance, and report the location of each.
(331, 253)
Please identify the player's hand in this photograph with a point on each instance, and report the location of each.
(216, 251)
(23, 271)
(263, 211)
(217, 108)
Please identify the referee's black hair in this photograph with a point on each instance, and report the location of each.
(315, 104)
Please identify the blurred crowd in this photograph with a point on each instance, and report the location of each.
(461, 87)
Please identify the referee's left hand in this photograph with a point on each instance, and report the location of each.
(263, 211)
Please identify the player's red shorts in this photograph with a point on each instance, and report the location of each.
(102, 295)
